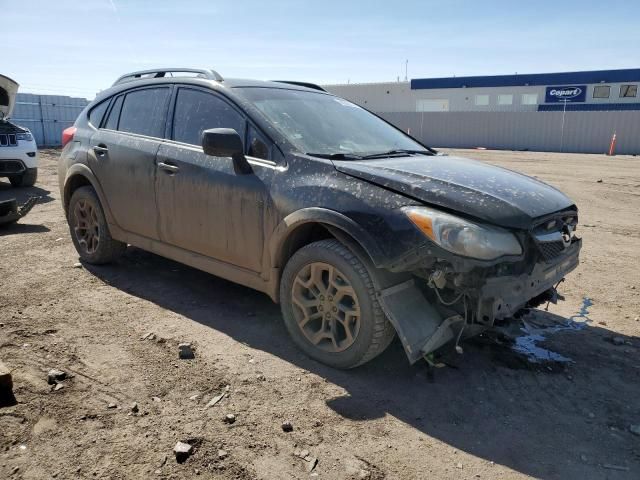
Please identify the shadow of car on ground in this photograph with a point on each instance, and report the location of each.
(539, 419)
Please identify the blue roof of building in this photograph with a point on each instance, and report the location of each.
(561, 78)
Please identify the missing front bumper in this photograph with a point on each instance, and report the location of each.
(502, 297)
(424, 325)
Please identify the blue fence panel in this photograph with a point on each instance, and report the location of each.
(47, 115)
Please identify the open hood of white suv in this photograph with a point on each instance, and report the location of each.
(8, 92)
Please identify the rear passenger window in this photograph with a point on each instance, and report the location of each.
(197, 111)
(114, 114)
(144, 112)
(97, 112)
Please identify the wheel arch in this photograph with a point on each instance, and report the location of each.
(310, 224)
(80, 175)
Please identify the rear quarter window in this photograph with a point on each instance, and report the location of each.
(144, 112)
(96, 114)
(114, 114)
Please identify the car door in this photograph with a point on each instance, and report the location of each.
(122, 156)
(203, 205)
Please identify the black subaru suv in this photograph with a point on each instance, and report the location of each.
(357, 229)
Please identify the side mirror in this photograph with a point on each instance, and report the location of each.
(225, 142)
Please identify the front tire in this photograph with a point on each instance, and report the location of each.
(330, 307)
(26, 179)
(89, 229)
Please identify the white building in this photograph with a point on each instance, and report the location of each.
(568, 111)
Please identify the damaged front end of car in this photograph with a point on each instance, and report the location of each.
(467, 276)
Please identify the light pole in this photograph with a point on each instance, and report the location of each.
(564, 110)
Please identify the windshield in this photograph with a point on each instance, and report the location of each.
(325, 125)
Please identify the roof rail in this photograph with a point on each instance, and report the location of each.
(162, 72)
(302, 84)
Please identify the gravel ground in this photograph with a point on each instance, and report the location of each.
(491, 414)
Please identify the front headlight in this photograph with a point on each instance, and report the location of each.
(460, 236)
(27, 137)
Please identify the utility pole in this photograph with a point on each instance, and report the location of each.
(406, 69)
(564, 111)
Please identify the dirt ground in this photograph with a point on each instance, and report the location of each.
(490, 415)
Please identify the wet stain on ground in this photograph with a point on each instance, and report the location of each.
(518, 345)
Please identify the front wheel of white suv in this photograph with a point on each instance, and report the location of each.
(26, 179)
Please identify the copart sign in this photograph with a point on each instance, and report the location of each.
(571, 93)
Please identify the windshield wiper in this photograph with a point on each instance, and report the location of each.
(397, 152)
(337, 156)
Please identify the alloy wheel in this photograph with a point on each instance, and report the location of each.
(326, 307)
(87, 227)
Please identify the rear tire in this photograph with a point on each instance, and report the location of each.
(89, 229)
(26, 179)
(330, 308)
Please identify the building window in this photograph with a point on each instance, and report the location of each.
(505, 99)
(601, 91)
(482, 100)
(529, 99)
(627, 91)
(432, 105)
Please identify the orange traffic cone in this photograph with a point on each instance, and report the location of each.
(612, 145)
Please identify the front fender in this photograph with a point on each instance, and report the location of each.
(326, 217)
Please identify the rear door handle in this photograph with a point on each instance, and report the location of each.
(167, 167)
(101, 150)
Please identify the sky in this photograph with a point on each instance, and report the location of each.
(79, 47)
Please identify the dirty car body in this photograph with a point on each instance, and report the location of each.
(451, 245)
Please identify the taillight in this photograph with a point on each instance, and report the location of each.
(67, 135)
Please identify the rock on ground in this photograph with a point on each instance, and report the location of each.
(182, 451)
(6, 380)
(54, 376)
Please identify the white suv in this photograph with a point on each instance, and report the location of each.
(18, 150)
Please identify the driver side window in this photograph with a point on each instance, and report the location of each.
(197, 111)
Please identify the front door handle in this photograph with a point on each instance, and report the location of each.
(168, 167)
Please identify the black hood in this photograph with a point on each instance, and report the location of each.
(492, 194)
(7, 127)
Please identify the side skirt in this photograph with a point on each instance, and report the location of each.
(218, 268)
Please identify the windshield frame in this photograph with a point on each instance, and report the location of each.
(284, 143)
